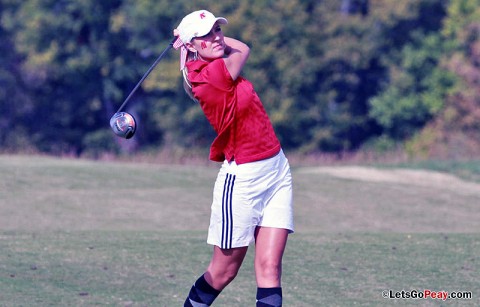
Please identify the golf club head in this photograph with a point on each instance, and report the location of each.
(123, 124)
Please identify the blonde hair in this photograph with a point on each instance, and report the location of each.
(187, 86)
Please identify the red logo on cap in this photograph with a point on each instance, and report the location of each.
(202, 15)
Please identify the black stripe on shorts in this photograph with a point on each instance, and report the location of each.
(227, 216)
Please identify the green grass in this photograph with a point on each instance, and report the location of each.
(105, 268)
(83, 233)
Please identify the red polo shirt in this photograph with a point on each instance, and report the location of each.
(233, 108)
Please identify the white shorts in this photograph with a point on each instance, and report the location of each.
(249, 195)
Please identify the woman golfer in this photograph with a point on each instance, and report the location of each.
(252, 197)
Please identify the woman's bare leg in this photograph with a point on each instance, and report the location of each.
(224, 266)
(269, 247)
(222, 269)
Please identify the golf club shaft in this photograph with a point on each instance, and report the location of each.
(146, 74)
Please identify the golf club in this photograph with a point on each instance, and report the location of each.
(123, 124)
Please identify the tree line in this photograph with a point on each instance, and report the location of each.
(334, 75)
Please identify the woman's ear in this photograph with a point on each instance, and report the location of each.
(190, 47)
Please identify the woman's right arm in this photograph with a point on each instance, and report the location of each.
(236, 55)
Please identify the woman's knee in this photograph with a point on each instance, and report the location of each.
(268, 269)
(220, 277)
(226, 275)
(224, 266)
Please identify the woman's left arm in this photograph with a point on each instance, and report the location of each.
(236, 55)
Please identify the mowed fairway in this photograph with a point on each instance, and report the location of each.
(84, 233)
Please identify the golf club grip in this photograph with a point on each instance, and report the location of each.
(170, 45)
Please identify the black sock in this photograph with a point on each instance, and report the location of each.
(269, 297)
(201, 294)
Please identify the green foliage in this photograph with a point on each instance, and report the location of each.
(461, 14)
(64, 46)
(454, 131)
(416, 87)
(416, 90)
(332, 74)
(14, 104)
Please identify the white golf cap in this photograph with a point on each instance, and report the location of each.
(196, 24)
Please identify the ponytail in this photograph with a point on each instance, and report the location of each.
(187, 86)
